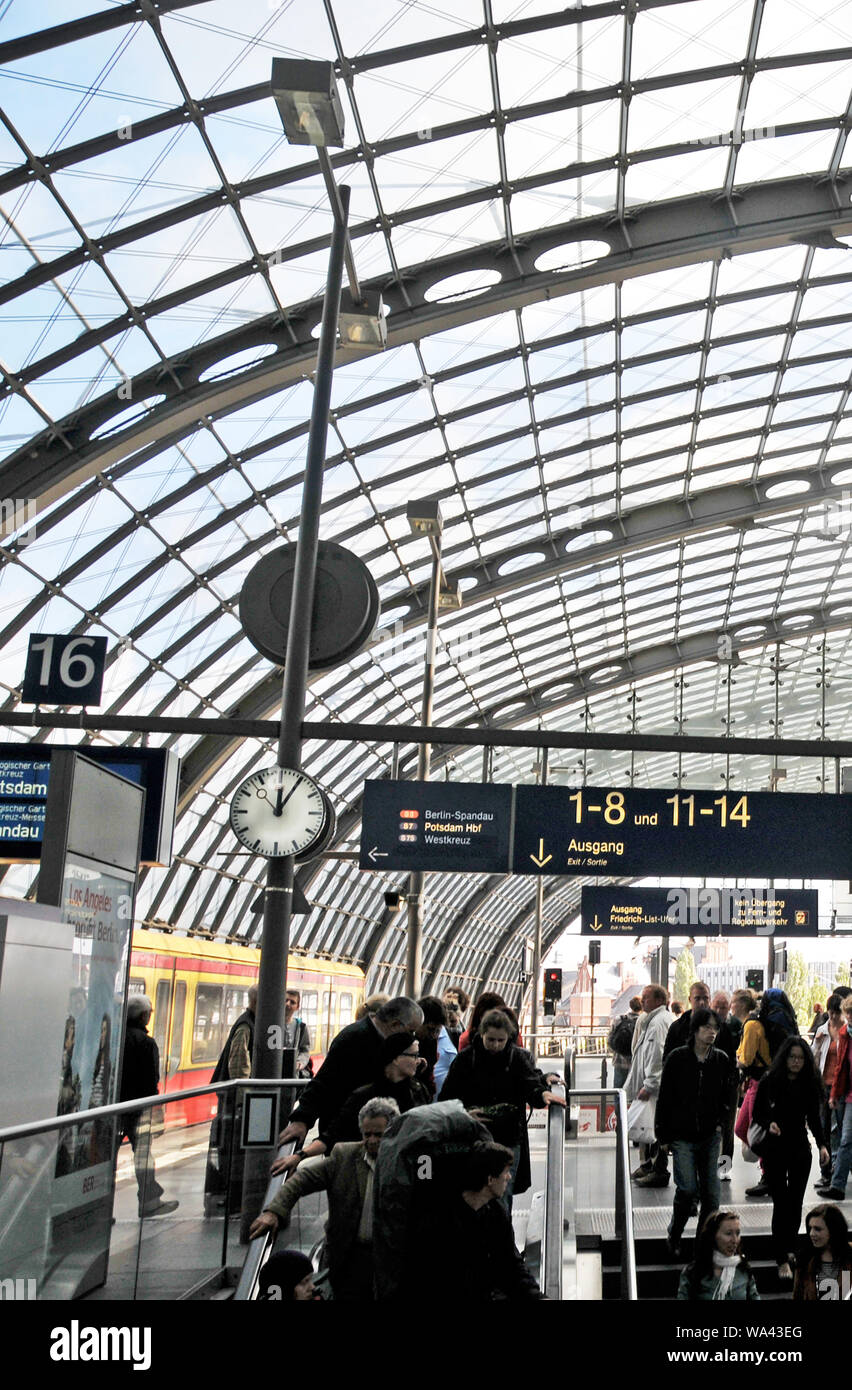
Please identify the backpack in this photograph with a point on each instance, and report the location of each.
(777, 1028)
(621, 1036)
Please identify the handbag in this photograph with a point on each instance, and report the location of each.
(749, 1154)
(640, 1121)
(757, 1137)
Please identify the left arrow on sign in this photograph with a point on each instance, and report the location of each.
(542, 858)
(376, 853)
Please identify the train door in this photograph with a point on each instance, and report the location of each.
(175, 1048)
(162, 1016)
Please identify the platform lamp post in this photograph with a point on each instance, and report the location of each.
(425, 519)
(306, 95)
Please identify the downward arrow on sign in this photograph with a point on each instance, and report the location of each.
(542, 859)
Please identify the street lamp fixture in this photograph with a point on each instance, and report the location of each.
(306, 95)
(450, 596)
(363, 324)
(424, 517)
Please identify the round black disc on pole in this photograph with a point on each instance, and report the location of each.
(345, 611)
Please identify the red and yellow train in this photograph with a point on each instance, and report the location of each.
(198, 989)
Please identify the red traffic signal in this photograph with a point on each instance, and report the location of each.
(553, 985)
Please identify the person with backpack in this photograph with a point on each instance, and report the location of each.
(620, 1041)
(763, 1034)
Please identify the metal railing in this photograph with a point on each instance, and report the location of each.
(138, 1106)
(131, 1107)
(623, 1193)
(553, 1044)
(553, 1218)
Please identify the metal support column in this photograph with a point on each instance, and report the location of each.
(414, 949)
(278, 898)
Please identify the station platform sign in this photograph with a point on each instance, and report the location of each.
(625, 832)
(731, 912)
(25, 777)
(436, 826)
(639, 830)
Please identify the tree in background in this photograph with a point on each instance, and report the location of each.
(798, 988)
(685, 976)
(842, 976)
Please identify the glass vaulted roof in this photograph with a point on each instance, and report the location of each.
(613, 241)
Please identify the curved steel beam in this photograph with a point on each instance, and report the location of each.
(658, 237)
(737, 504)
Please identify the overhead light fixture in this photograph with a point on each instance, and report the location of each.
(425, 518)
(393, 901)
(363, 325)
(306, 95)
(450, 596)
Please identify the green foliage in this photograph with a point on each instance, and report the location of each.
(842, 976)
(798, 988)
(685, 975)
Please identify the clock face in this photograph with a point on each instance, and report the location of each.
(278, 811)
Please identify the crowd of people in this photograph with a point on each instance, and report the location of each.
(421, 1141)
(738, 1067)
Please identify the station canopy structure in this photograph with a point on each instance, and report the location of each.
(612, 240)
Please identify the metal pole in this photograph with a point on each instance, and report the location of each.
(414, 949)
(539, 906)
(278, 898)
(664, 962)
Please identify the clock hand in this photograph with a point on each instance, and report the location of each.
(281, 804)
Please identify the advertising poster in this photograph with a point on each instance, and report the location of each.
(99, 906)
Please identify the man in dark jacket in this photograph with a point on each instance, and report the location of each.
(496, 1081)
(140, 1076)
(353, 1059)
(679, 1033)
(696, 1098)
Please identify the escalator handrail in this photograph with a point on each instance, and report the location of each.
(553, 1219)
(623, 1193)
(260, 1248)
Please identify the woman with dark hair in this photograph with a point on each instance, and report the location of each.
(486, 1001)
(789, 1099)
(826, 1258)
(720, 1271)
(496, 1081)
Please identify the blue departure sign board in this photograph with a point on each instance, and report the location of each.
(730, 912)
(638, 830)
(24, 780)
(436, 826)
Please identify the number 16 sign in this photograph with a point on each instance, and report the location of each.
(64, 670)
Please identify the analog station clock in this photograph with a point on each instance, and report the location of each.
(280, 811)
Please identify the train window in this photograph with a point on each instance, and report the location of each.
(326, 1020)
(208, 1032)
(344, 1015)
(135, 985)
(176, 1037)
(162, 1007)
(236, 1002)
(308, 1014)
